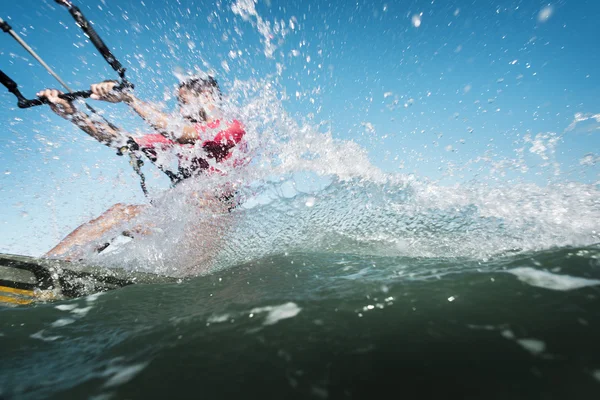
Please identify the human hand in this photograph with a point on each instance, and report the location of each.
(62, 107)
(104, 91)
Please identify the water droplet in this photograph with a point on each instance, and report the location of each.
(416, 20)
(225, 65)
(545, 13)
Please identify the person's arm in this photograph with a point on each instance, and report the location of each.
(160, 121)
(148, 112)
(99, 130)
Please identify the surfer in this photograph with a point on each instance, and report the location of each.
(194, 141)
(201, 143)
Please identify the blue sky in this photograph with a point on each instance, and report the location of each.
(471, 80)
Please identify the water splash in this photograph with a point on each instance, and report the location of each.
(401, 217)
(246, 9)
(305, 189)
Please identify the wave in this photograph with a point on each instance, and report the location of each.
(304, 190)
(398, 218)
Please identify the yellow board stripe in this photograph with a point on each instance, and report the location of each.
(13, 300)
(17, 291)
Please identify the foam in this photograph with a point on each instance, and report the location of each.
(277, 313)
(218, 318)
(508, 334)
(40, 335)
(81, 312)
(62, 322)
(548, 280)
(534, 346)
(66, 307)
(93, 297)
(121, 375)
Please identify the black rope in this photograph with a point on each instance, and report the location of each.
(135, 161)
(131, 147)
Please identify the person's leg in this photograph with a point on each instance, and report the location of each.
(93, 230)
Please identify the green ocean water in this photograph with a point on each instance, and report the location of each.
(323, 325)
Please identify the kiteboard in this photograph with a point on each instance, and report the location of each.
(26, 280)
